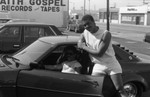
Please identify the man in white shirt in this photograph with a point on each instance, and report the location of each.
(98, 43)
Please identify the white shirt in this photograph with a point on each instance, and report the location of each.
(93, 41)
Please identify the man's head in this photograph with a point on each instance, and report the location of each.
(89, 23)
(88, 18)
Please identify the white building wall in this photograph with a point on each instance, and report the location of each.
(135, 10)
(148, 18)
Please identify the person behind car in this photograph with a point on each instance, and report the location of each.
(67, 62)
(98, 43)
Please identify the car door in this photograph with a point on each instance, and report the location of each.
(44, 83)
(10, 39)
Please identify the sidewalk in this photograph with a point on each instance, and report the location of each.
(125, 24)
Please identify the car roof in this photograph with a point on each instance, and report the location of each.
(60, 39)
(26, 23)
(63, 39)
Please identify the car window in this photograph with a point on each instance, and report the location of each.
(48, 31)
(51, 59)
(30, 31)
(60, 48)
(56, 30)
(41, 32)
(9, 31)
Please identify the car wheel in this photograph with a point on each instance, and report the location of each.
(133, 89)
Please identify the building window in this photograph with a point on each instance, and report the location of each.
(133, 18)
(105, 15)
(126, 18)
(114, 16)
(101, 15)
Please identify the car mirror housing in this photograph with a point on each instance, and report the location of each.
(33, 65)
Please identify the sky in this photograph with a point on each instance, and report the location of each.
(97, 4)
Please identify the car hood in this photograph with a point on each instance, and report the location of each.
(3, 66)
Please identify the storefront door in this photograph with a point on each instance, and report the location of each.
(137, 20)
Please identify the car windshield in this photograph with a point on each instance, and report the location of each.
(32, 52)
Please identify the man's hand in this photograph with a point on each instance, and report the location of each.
(81, 45)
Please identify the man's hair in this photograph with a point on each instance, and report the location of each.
(88, 17)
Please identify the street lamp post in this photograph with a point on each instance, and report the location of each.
(68, 15)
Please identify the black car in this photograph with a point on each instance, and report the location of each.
(23, 73)
(16, 35)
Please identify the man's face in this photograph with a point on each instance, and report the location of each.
(89, 25)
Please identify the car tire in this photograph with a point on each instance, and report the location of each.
(133, 89)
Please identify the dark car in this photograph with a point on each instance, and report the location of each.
(23, 73)
(147, 37)
(16, 35)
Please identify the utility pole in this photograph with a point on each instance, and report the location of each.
(68, 14)
(89, 7)
(108, 15)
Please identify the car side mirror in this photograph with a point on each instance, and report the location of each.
(33, 65)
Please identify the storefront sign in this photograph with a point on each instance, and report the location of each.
(138, 9)
(32, 5)
(132, 9)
